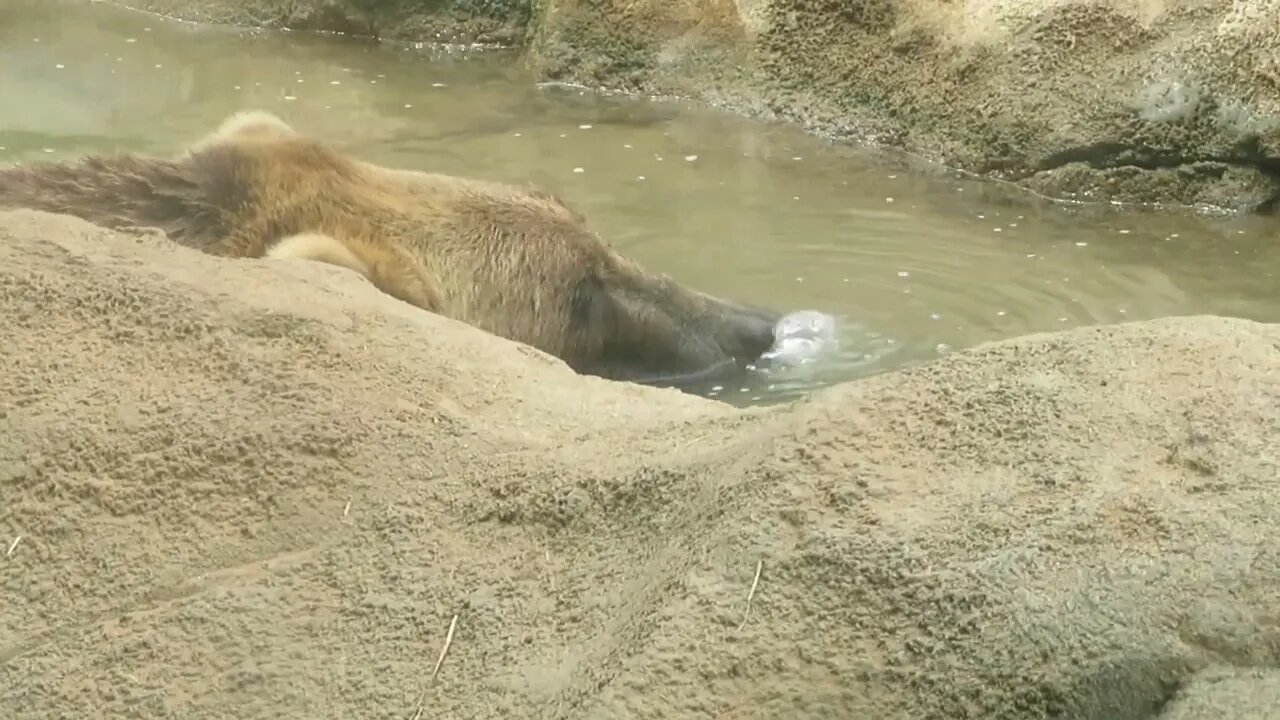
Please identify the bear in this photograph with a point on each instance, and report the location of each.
(513, 261)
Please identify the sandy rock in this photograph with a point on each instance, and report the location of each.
(1227, 693)
(260, 489)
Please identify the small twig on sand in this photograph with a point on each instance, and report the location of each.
(13, 546)
(691, 442)
(448, 640)
(751, 594)
(346, 509)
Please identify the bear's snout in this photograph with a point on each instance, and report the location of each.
(749, 332)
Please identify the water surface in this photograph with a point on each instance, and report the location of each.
(913, 264)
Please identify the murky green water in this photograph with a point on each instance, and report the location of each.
(913, 265)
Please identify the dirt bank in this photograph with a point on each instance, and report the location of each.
(499, 22)
(1133, 101)
(263, 490)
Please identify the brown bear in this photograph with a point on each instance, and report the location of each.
(513, 261)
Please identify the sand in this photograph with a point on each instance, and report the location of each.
(261, 489)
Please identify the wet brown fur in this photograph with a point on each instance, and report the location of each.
(513, 261)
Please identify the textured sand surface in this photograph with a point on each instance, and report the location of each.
(254, 489)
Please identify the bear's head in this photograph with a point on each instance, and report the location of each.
(628, 323)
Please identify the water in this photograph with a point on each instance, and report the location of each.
(912, 264)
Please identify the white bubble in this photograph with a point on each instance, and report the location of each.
(579, 170)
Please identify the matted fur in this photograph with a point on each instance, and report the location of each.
(513, 261)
